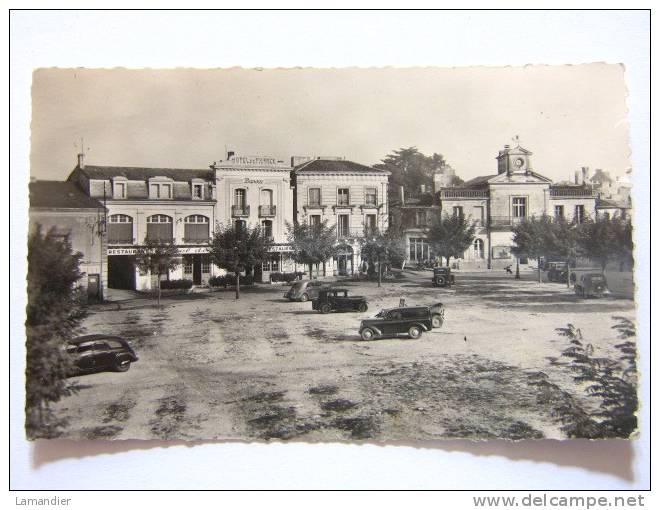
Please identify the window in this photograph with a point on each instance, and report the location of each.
(315, 196)
(478, 248)
(239, 198)
(579, 213)
(266, 197)
(343, 225)
(196, 228)
(119, 189)
(160, 190)
(419, 249)
(559, 211)
(206, 264)
(420, 218)
(343, 196)
(315, 220)
(370, 196)
(370, 224)
(519, 207)
(159, 228)
(478, 214)
(188, 264)
(120, 229)
(458, 211)
(198, 191)
(267, 228)
(606, 215)
(272, 263)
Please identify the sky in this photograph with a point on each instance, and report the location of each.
(568, 116)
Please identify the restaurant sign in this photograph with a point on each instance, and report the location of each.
(280, 248)
(183, 250)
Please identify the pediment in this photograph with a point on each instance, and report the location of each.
(520, 178)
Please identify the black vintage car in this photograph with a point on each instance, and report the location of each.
(442, 277)
(590, 284)
(95, 353)
(557, 272)
(338, 299)
(410, 320)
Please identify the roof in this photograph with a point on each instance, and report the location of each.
(602, 203)
(478, 181)
(336, 167)
(134, 173)
(97, 336)
(60, 195)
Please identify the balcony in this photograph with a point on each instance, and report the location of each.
(267, 211)
(505, 221)
(463, 193)
(355, 232)
(571, 192)
(240, 211)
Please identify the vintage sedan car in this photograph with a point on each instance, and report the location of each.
(338, 300)
(304, 290)
(557, 272)
(410, 320)
(590, 284)
(442, 277)
(95, 353)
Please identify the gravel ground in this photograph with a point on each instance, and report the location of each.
(264, 368)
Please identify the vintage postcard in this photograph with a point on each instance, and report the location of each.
(331, 254)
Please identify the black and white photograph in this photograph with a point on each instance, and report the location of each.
(331, 254)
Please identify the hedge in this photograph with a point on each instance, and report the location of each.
(229, 280)
(286, 277)
(176, 284)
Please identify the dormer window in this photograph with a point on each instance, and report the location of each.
(197, 191)
(160, 189)
(119, 188)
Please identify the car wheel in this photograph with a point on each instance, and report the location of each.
(122, 365)
(304, 298)
(367, 334)
(326, 308)
(436, 321)
(363, 307)
(415, 332)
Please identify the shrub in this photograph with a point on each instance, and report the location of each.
(176, 284)
(229, 280)
(286, 277)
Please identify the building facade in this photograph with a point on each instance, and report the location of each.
(256, 190)
(164, 204)
(72, 213)
(495, 204)
(350, 196)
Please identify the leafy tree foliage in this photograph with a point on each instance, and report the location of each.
(604, 239)
(450, 235)
(54, 311)
(312, 244)
(533, 238)
(380, 250)
(237, 249)
(158, 257)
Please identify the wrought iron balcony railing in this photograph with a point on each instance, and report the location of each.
(463, 193)
(240, 211)
(267, 210)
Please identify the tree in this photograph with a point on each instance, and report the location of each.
(563, 243)
(604, 239)
(381, 249)
(158, 257)
(450, 235)
(236, 248)
(532, 238)
(312, 244)
(54, 311)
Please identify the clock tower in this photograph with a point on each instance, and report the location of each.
(514, 160)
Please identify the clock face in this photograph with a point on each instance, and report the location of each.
(519, 162)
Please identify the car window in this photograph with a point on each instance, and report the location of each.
(101, 346)
(415, 313)
(85, 346)
(114, 344)
(394, 315)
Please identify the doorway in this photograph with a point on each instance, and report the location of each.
(121, 272)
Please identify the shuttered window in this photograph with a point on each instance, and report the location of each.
(196, 228)
(159, 228)
(120, 229)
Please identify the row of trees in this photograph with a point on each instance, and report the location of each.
(602, 240)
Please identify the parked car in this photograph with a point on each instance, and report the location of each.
(590, 284)
(304, 290)
(442, 277)
(335, 299)
(410, 320)
(95, 353)
(557, 271)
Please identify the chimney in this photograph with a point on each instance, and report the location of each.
(577, 177)
(585, 174)
(402, 195)
(81, 160)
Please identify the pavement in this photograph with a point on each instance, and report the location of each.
(212, 367)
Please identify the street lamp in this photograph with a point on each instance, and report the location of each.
(517, 268)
